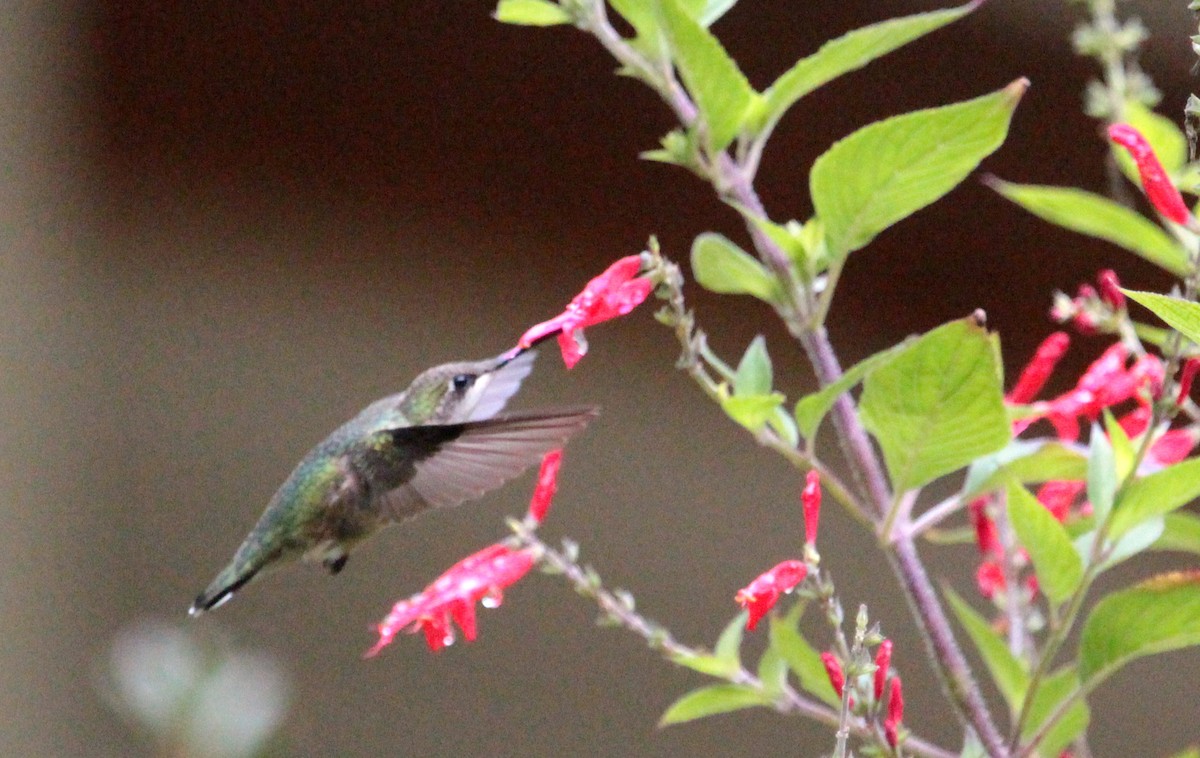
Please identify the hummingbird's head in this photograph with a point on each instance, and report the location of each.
(469, 391)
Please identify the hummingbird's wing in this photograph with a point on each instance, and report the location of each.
(470, 459)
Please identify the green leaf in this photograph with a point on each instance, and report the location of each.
(811, 409)
(938, 405)
(1099, 217)
(1007, 671)
(641, 15)
(1129, 544)
(1156, 616)
(1191, 752)
(729, 644)
(1181, 533)
(1181, 315)
(719, 88)
(721, 266)
(754, 376)
(1123, 451)
(1165, 138)
(752, 411)
(713, 10)
(531, 13)
(1058, 567)
(706, 664)
(772, 671)
(1157, 494)
(801, 657)
(850, 52)
(1055, 689)
(784, 426)
(1023, 461)
(711, 700)
(1101, 474)
(887, 171)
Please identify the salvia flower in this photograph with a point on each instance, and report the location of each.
(810, 501)
(613, 293)
(760, 595)
(547, 485)
(1110, 289)
(895, 712)
(833, 668)
(1186, 377)
(482, 576)
(883, 660)
(990, 578)
(1040, 367)
(1159, 189)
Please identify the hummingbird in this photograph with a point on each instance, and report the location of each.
(437, 444)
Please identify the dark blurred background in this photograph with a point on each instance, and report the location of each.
(226, 229)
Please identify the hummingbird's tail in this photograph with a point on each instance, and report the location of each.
(229, 581)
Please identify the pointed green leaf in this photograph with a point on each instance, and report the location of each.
(811, 409)
(1055, 689)
(721, 266)
(1156, 616)
(531, 13)
(938, 405)
(752, 411)
(713, 10)
(754, 376)
(1181, 533)
(1123, 451)
(641, 15)
(772, 671)
(1157, 494)
(719, 88)
(781, 421)
(1165, 138)
(1023, 461)
(1007, 671)
(801, 657)
(851, 52)
(887, 171)
(1098, 217)
(729, 644)
(1182, 315)
(1129, 544)
(1058, 567)
(1101, 474)
(706, 664)
(709, 701)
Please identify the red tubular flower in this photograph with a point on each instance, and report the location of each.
(613, 293)
(1136, 421)
(895, 712)
(810, 501)
(547, 485)
(990, 578)
(833, 667)
(1185, 379)
(1035, 374)
(1110, 289)
(760, 595)
(1172, 447)
(1162, 194)
(985, 529)
(1059, 496)
(481, 576)
(883, 660)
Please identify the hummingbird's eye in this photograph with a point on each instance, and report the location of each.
(461, 382)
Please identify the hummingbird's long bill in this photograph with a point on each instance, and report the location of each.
(435, 445)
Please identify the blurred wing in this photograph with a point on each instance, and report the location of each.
(501, 385)
(481, 457)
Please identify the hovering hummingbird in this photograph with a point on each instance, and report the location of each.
(439, 443)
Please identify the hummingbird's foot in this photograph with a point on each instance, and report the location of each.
(334, 565)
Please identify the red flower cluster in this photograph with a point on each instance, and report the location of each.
(613, 293)
(760, 595)
(1159, 189)
(894, 710)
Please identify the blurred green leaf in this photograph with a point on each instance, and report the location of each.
(721, 91)
(1181, 532)
(811, 409)
(752, 411)
(938, 405)
(1055, 689)
(888, 170)
(1156, 616)
(772, 671)
(711, 700)
(1129, 544)
(706, 664)
(1024, 461)
(784, 426)
(729, 644)
(850, 52)
(531, 13)
(1007, 671)
(754, 375)
(1058, 567)
(1182, 315)
(1157, 494)
(1101, 474)
(1123, 452)
(801, 657)
(721, 266)
(641, 15)
(713, 10)
(1165, 138)
(1098, 217)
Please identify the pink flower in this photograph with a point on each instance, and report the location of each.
(613, 293)
(1035, 374)
(810, 501)
(1186, 378)
(547, 485)
(1162, 194)
(895, 712)
(990, 578)
(479, 577)
(833, 668)
(985, 529)
(1059, 496)
(760, 595)
(1172, 447)
(1110, 289)
(883, 660)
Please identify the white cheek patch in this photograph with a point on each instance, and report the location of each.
(492, 391)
